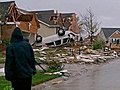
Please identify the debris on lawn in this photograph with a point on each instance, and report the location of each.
(73, 55)
(55, 58)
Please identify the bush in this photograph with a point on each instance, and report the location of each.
(7, 88)
(97, 45)
(54, 65)
(4, 84)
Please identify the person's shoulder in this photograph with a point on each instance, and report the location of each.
(26, 43)
(9, 47)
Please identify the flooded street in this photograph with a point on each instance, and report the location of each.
(89, 77)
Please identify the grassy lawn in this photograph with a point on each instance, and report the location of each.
(40, 77)
(3, 82)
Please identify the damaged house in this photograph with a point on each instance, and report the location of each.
(12, 17)
(40, 27)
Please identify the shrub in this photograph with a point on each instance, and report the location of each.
(97, 45)
(54, 65)
(7, 88)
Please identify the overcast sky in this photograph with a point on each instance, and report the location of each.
(106, 11)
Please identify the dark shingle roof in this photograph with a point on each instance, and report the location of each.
(67, 14)
(109, 31)
(44, 16)
(3, 9)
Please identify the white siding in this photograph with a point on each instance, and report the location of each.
(45, 31)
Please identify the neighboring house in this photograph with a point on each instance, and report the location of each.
(115, 37)
(47, 27)
(112, 35)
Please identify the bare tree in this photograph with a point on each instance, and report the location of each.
(88, 23)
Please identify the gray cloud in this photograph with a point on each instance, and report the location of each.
(106, 11)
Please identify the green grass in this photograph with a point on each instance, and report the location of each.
(40, 77)
(3, 82)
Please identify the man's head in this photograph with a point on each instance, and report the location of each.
(16, 35)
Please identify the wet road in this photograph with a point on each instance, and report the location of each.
(106, 77)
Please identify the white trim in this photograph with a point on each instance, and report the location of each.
(17, 23)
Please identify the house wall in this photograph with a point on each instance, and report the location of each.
(114, 40)
(45, 31)
(30, 36)
(101, 37)
(29, 26)
(6, 31)
(74, 26)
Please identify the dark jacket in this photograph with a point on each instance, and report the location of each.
(20, 61)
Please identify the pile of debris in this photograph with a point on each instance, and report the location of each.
(74, 55)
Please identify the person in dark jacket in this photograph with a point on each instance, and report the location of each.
(20, 62)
